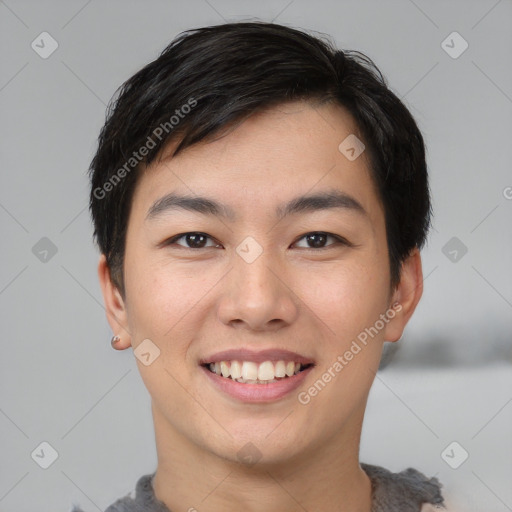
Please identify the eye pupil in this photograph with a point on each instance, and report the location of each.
(318, 239)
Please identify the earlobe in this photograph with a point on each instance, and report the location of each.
(114, 305)
(406, 296)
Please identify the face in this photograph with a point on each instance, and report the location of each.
(268, 287)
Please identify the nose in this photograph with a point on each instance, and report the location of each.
(257, 296)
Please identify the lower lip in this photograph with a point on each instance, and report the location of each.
(257, 392)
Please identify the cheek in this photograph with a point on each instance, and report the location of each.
(348, 303)
(161, 299)
(347, 298)
(162, 310)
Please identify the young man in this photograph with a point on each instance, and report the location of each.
(260, 199)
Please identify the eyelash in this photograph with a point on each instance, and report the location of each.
(339, 240)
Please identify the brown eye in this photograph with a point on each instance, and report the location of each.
(318, 239)
(194, 240)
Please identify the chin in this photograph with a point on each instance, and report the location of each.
(263, 447)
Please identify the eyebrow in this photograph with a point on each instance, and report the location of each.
(326, 200)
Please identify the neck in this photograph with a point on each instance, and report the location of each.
(328, 477)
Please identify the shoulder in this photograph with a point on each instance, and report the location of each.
(407, 491)
(141, 500)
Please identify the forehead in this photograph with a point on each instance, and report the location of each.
(280, 153)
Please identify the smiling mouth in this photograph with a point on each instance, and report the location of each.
(248, 372)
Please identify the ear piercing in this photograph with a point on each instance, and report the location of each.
(115, 339)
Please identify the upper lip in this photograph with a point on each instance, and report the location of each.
(259, 356)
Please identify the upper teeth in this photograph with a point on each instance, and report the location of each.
(249, 372)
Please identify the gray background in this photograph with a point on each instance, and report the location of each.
(61, 382)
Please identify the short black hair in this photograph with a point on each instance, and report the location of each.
(209, 78)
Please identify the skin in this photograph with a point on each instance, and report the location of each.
(194, 302)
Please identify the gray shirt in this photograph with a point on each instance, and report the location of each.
(406, 491)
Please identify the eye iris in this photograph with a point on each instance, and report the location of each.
(317, 239)
(196, 240)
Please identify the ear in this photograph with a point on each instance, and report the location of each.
(114, 305)
(406, 296)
